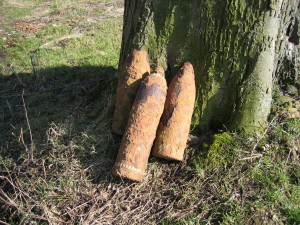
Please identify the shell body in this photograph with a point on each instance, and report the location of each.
(141, 129)
(137, 67)
(173, 129)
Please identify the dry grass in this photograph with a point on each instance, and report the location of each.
(69, 180)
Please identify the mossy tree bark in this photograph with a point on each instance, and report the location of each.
(237, 48)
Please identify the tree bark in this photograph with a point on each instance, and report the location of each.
(237, 48)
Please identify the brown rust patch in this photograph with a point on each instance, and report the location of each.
(168, 112)
(154, 90)
(177, 89)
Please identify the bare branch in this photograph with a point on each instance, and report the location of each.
(28, 124)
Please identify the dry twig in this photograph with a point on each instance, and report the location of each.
(264, 134)
(17, 75)
(30, 156)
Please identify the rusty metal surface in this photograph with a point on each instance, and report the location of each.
(141, 129)
(173, 129)
(137, 67)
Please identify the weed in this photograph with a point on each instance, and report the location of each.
(215, 154)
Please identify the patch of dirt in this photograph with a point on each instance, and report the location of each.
(41, 10)
(114, 12)
(96, 12)
(15, 3)
(60, 42)
(42, 15)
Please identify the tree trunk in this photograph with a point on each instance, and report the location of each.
(237, 48)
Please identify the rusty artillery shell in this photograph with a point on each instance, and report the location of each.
(141, 129)
(173, 129)
(137, 67)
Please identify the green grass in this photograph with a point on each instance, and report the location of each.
(253, 185)
(226, 179)
(98, 47)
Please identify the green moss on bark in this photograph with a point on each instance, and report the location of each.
(227, 42)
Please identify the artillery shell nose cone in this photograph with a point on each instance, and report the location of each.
(160, 71)
(187, 68)
(139, 56)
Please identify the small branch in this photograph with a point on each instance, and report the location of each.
(4, 223)
(288, 157)
(16, 74)
(19, 193)
(9, 202)
(264, 134)
(29, 128)
(6, 200)
(251, 157)
(7, 102)
(21, 139)
(44, 169)
(54, 44)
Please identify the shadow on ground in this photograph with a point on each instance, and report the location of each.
(65, 126)
(67, 114)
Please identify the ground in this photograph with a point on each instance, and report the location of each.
(57, 88)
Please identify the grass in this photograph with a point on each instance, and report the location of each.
(63, 66)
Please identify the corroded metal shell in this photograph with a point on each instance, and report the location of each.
(137, 67)
(173, 129)
(141, 129)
